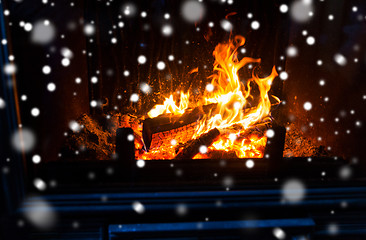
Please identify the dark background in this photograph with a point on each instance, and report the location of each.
(345, 86)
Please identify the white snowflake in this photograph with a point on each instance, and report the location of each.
(65, 62)
(141, 59)
(307, 106)
(42, 215)
(255, 25)
(74, 126)
(249, 163)
(51, 87)
(167, 30)
(293, 191)
(292, 51)
(138, 207)
(28, 27)
(284, 75)
(209, 87)
(126, 73)
(283, 8)
(226, 25)
(66, 52)
(134, 97)
(140, 163)
(270, 133)
(46, 69)
(310, 40)
(93, 103)
(2, 103)
(35, 112)
(160, 65)
(279, 233)
(39, 184)
(43, 32)
(193, 11)
(10, 68)
(301, 10)
(203, 149)
(36, 159)
(145, 88)
(94, 80)
(340, 59)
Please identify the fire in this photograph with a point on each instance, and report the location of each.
(231, 98)
(169, 106)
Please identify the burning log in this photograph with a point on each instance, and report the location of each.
(161, 130)
(192, 148)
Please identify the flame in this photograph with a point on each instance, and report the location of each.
(169, 106)
(231, 96)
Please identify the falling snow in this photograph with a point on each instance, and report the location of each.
(51, 87)
(310, 40)
(46, 69)
(10, 68)
(141, 59)
(255, 25)
(167, 30)
(43, 32)
(138, 207)
(292, 51)
(160, 65)
(300, 11)
(249, 163)
(193, 11)
(203, 149)
(293, 191)
(36, 159)
(2, 103)
(284, 75)
(279, 233)
(226, 25)
(308, 106)
(140, 163)
(134, 97)
(74, 126)
(283, 8)
(270, 133)
(209, 87)
(35, 112)
(42, 215)
(340, 59)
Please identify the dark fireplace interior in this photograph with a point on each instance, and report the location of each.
(157, 120)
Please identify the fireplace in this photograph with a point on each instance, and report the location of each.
(183, 119)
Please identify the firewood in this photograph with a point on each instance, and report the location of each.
(160, 131)
(192, 148)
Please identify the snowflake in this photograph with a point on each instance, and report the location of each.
(307, 106)
(51, 87)
(255, 25)
(193, 11)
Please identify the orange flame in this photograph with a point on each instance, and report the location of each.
(169, 106)
(231, 96)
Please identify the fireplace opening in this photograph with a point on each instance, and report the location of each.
(238, 80)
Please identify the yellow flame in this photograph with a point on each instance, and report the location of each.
(169, 106)
(231, 94)
(231, 97)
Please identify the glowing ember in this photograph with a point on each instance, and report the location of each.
(233, 112)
